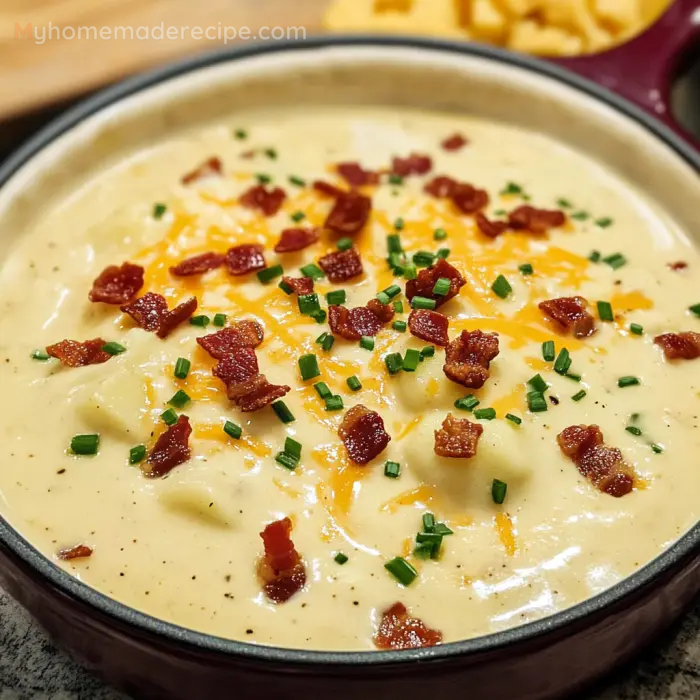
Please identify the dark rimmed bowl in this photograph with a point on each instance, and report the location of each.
(541, 660)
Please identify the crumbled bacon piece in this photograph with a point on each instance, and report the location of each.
(362, 432)
(356, 176)
(441, 186)
(326, 188)
(429, 325)
(243, 334)
(209, 168)
(469, 199)
(268, 201)
(171, 449)
(454, 143)
(415, 164)
(301, 285)
(294, 239)
(349, 213)
(457, 438)
(678, 265)
(490, 228)
(423, 285)
(468, 358)
(80, 551)
(571, 313)
(197, 265)
(352, 324)
(535, 220)
(117, 285)
(398, 630)
(151, 313)
(73, 353)
(341, 265)
(245, 386)
(281, 568)
(242, 259)
(384, 312)
(603, 466)
(679, 346)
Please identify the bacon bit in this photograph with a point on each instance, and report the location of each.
(362, 432)
(426, 279)
(294, 239)
(171, 448)
(429, 325)
(535, 220)
(679, 265)
(457, 438)
(151, 313)
(117, 285)
(469, 199)
(209, 168)
(301, 285)
(244, 334)
(342, 265)
(326, 188)
(356, 176)
(245, 386)
(454, 143)
(352, 324)
(266, 201)
(242, 259)
(281, 568)
(197, 265)
(571, 313)
(679, 346)
(80, 551)
(73, 353)
(384, 312)
(415, 164)
(397, 630)
(489, 228)
(603, 466)
(441, 186)
(469, 356)
(349, 214)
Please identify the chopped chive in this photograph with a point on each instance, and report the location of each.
(526, 269)
(442, 287)
(623, 382)
(179, 399)
(286, 288)
(498, 491)
(269, 273)
(658, 449)
(283, 413)
(383, 298)
(344, 243)
(605, 311)
(578, 395)
(439, 234)
(319, 315)
(513, 419)
(390, 292)
(340, 558)
(485, 413)
(169, 416)
(501, 287)
(298, 181)
(394, 362)
(423, 303)
(636, 329)
(395, 179)
(548, 350)
(367, 342)
(467, 403)
(443, 253)
(536, 402)
(695, 309)
(232, 430)
(354, 383)
(538, 384)
(512, 188)
(398, 307)
(182, 368)
(321, 338)
(292, 447)
(573, 376)
(334, 403)
(159, 210)
(581, 215)
(40, 355)
(392, 469)
(308, 303)
(428, 522)
(312, 270)
(137, 454)
(604, 222)
(633, 429)
(563, 362)
(428, 351)
(500, 212)
(287, 461)
(423, 258)
(322, 390)
(85, 444)
(410, 272)
(401, 570)
(219, 320)
(308, 365)
(442, 529)
(240, 134)
(399, 224)
(399, 326)
(615, 261)
(564, 203)
(424, 550)
(298, 216)
(263, 179)
(328, 342)
(595, 256)
(202, 321)
(271, 153)
(410, 360)
(393, 243)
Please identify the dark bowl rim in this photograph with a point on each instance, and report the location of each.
(122, 614)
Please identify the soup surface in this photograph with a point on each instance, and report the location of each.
(171, 526)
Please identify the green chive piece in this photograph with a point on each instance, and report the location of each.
(383, 298)
(336, 297)
(442, 287)
(423, 303)
(442, 529)
(428, 545)
(322, 390)
(604, 222)
(113, 348)
(321, 338)
(287, 461)
(399, 326)
(410, 272)
(391, 291)
(367, 342)
(633, 429)
(398, 307)
(292, 447)
(439, 234)
(498, 491)
(269, 273)
(169, 416)
(393, 243)
(605, 311)
(202, 321)
(636, 329)
(219, 320)
(328, 342)
(424, 550)
(485, 413)
(298, 181)
(423, 258)
(85, 444)
(240, 134)
(263, 179)
(410, 361)
(526, 269)
(512, 188)
(298, 216)
(283, 413)
(513, 419)
(159, 210)
(443, 253)
(179, 399)
(578, 395)
(573, 376)
(399, 224)
(501, 287)
(564, 203)
(182, 368)
(232, 430)
(536, 402)
(428, 351)
(395, 179)
(286, 288)
(658, 449)
(308, 303)
(428, 522)
(312, 270)
(40, 355)
(137, 454)
(538, 384)
(340, 558)
(467, 403)
(595, 256)
(581, 215)
(695, 309)
(615, 261)
(394, 362)
(392, 469)
(354, 383)
(271, 153)
(401, 570)
(308, 366)
(563, 362)
(319, 315)
(623, 382)
(344, 243)
(548, 351)
(334, 403)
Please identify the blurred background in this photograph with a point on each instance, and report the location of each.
(52, 52)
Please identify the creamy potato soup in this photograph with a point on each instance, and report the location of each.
(408, 493)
